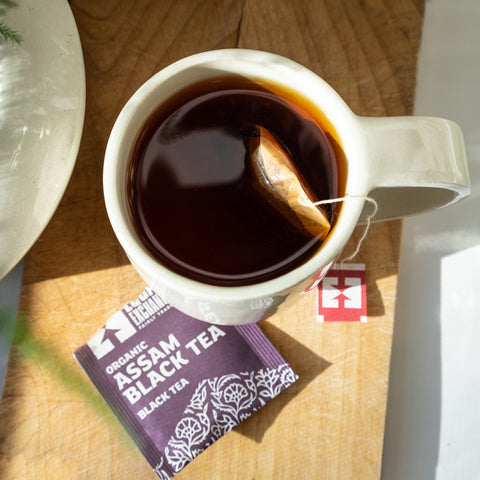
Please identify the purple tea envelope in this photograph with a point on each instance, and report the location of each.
(178, 384)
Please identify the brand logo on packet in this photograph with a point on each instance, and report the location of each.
(342, 294)
(122, 325)
(117, 329)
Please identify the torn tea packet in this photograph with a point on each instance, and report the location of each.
(178, 384)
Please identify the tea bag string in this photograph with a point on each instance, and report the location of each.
(367, 223)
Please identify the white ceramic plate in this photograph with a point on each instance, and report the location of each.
(42, 107)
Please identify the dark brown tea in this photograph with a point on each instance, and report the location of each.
(190, 188)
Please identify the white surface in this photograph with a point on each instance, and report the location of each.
(433, 417)
(42, 104)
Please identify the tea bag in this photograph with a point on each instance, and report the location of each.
(279, 181)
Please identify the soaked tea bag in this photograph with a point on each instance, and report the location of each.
(279, 181)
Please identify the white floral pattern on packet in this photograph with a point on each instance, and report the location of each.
(217, 406)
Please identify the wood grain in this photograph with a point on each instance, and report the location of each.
(330, 424)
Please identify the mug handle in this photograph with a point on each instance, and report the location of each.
(415, 164)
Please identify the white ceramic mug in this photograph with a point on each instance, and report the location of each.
(406, 164)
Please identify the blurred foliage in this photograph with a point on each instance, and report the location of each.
(6, 33)
(25, 345)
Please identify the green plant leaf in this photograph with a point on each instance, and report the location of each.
(6, 33)
(9, 35)
(27, 346)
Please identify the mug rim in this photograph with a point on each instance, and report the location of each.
(118, 152)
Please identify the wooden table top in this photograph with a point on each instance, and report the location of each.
(330, 423)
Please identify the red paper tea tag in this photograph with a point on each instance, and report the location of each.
(342, 294)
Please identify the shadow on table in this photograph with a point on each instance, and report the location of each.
(304, 362)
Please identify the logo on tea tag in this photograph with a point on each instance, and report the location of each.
(342, 294)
